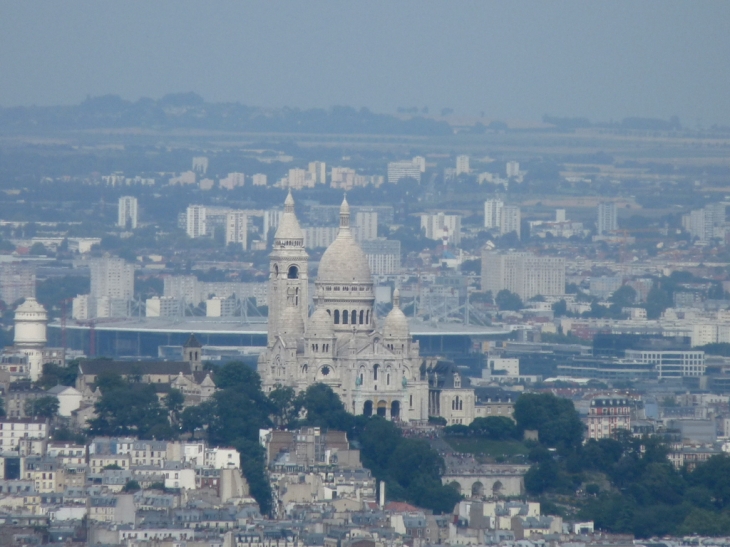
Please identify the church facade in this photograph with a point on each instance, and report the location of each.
(373, 370)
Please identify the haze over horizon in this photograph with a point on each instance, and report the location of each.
(515, 60)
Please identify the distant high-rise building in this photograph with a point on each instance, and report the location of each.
(196, 224)
(16, 281)
(523, 273)
(607, 219)
(420, 161)
(510, 220)
(318, 171)
(259, 179)
(462, 165)
(707, 223)
(200, 164)
(317, 237)
(127, 212)
(233, 180)
(493, 213)
(512, 168)
(366, 225)
(272, 217)
(111, 278)
(560, 215)
(237, 228)
(440, 226)
(383, 255)
(398, 170)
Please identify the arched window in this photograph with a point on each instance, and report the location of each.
(375, 372)
(293, 272)
(387, 379)
(362, 316)
(344, 317)
(353, 317)
(337, 317)
(367, 317)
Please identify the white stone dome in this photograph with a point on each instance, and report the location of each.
(291, 322)
(396, 322)
(320, 324)
(344, 261)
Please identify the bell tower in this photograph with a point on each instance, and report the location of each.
(288, 272)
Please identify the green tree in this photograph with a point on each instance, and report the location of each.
(54, 375)
(624, 297)
(197, 417)
(556, 420)
(508, 301)
(45, 407)
(560, 308)
(498, 428)
(131, 486)
(325, 409)
(285, 406)
(174, 402)
(127, 408)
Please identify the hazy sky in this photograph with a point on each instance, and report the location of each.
(510, 59)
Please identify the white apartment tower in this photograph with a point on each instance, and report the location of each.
(607, 220)
(420, 161)
(127, 212)
(512, 169)
(112, 278)
(523, 273)
(510, 220)
(237, 228)
(318, 172)
(195, 225)
(493, 213)
(441, 226)
(259, 179)
(398, 170)
(462, 165)
(366, 224)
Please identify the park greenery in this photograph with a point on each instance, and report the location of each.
(239, 409)
(625, 485)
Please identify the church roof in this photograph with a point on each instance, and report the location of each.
(192, 342)
(344, 261)
(289, 225)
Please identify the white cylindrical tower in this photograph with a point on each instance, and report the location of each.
(30, 324)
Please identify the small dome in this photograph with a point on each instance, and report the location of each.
(396, 323)
(344, 261)
(320, 324)
(291, 322)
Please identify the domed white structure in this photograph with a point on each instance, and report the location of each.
(30, 324)
(30, 334)
(372, 371)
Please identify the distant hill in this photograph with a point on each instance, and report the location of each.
(190, 111)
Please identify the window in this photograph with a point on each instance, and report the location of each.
(337, 317)
(375, 372)
(344, 317)
(293, 273)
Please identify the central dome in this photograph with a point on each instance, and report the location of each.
(344, 261)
